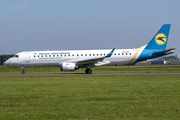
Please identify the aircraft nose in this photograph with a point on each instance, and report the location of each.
(6, 63)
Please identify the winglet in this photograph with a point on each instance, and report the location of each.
(109, 55)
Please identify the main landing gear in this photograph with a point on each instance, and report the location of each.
(88, 71)
(23, 71)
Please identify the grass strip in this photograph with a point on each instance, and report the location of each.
(90, 97)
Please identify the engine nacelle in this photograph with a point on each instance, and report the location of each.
(68, 66)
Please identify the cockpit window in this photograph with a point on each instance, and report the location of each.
(15, 56)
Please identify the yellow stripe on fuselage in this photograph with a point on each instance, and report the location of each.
(135, 55)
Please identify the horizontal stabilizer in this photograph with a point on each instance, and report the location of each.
(169, 51)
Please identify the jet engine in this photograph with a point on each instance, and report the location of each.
(68, 67)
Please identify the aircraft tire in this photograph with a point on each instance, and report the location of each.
(23, 72)
(88, 71)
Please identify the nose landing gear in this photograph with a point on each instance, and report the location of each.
(23, 71)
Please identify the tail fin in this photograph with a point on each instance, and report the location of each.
(159, 41)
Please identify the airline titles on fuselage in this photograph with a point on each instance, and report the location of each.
(53, 53)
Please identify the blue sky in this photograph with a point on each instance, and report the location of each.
(34, 25)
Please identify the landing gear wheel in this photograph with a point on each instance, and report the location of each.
(23, 72)
(88, 71)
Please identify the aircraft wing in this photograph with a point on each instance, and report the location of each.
(94, 61)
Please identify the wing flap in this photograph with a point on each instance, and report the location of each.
(104, 62)
(88, 61)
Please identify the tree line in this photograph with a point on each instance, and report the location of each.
(3, 58)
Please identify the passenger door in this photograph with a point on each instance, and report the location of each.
(27, 56)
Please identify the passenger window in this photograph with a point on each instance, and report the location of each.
(68, 55)
(101, 54)
(85, 54)
(61, 55)
(89, 54)
(93, 54)
(57, 55)
(122, 53)
(81, 54)
(104, 54)
(77, 54)
(42, 56)
(114, 53)
(126, 54)
(73, 55)
(46, 55)
(65, 55)
(118, 53)
(49, 55)
(38, 55)
(34, 56)
(129, 53)
(97, 54)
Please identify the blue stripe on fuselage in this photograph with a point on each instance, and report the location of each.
(147, 54)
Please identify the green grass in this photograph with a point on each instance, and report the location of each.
(111, 69)
(90, 97)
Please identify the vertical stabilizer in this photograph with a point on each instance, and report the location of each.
(159, 41)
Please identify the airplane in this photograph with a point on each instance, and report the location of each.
(71, 60)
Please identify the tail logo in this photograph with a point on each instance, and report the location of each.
(160, 39)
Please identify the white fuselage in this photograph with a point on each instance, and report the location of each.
(55, 58)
